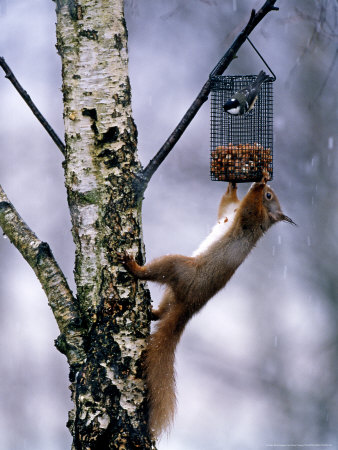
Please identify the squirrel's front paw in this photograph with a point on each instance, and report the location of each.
(265, 176)
(232, 186)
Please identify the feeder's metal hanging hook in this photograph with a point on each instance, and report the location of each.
(273, 75)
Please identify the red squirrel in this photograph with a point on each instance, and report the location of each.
(192, 281)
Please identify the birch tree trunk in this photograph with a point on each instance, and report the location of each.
(101, 139)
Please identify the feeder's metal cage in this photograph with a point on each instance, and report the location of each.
(241, 146)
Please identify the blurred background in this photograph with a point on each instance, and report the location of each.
(257, 367)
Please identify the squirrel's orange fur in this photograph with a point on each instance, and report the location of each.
(191, 282)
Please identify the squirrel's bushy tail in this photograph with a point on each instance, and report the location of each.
(160, 360)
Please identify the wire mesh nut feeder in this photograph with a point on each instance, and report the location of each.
(241, 145)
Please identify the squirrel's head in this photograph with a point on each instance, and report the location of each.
(272, 209)
(260, 207)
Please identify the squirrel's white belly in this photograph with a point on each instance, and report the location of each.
(219, 229)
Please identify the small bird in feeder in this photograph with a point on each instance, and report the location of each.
(244, 100)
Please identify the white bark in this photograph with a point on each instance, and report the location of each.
(109, 391)
(97, 110)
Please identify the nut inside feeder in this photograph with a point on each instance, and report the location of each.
(241, 145)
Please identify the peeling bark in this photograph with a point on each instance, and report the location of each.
(101, 139)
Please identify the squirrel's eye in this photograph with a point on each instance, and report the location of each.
(268, 195)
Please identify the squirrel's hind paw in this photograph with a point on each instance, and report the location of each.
(124, 258)
(129, 263)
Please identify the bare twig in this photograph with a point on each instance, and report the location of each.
(326, 19)
(60, 298)
(10, 75)
(144, 177)
(328, 73)
(324, 13)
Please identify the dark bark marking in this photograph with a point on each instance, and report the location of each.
(44, 251)
(73, 8)
(92, 113)
(116, 114)
(105, 153)
(118, 42)
(61, 344)
(110, 136)
(4, 206)
(89, 34)
(112, 162)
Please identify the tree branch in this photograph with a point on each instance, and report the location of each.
(143, 178)
(11, 77)
(60, 298)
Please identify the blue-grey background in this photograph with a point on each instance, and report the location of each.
(258, 366)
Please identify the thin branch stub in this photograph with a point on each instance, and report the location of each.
(12, 78)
